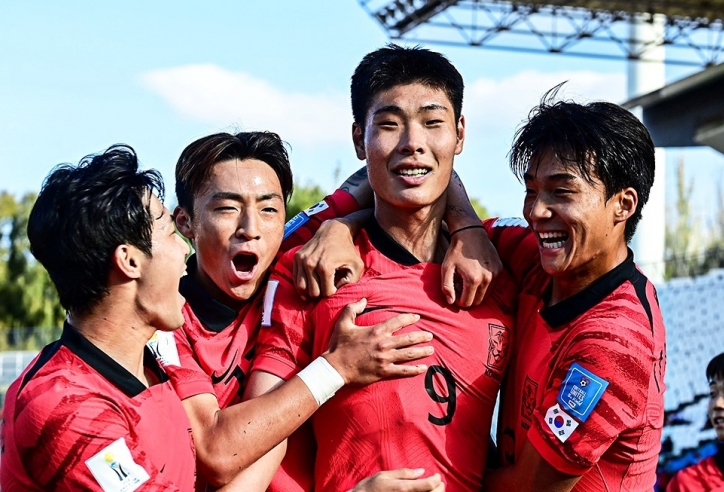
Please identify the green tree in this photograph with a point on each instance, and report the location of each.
(27, 296)
(303, 197)
(680, 232)
(479, 208)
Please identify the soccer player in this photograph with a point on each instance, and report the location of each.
(232, 191)
(708, 474)
(582, 407)
(408, 127)
(94, 410)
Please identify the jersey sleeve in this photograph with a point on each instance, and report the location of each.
(302, 227)
(516, 245)
(598, 390)
(284, 346)
(72, 440)
(187, 376)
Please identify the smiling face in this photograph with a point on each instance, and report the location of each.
(580, 233)
(159, 296)
(409, 141)
(716, 406)
(236, 229)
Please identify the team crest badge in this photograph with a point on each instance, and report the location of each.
(115, 470)
(498, 347)
(528, 404)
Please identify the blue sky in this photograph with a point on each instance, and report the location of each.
(78, 76)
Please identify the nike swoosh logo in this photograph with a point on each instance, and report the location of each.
(217, 379)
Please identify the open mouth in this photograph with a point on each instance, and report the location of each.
(552, 240)
(245, 262)
(717, 421)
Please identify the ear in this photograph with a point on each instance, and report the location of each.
(626, 203)
(461, 135)
(184, 223)
(359, 141)
(127, 260)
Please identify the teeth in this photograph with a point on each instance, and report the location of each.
(557, 244)
(412, 172)
(552, 240)
(552, 235)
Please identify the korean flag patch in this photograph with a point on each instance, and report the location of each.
(580, 392)
(560, 423)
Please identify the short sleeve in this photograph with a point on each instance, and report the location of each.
(188, 378)
(598, 390)
(302, 227)
(70, 439)
(516, 245)
(284, 346)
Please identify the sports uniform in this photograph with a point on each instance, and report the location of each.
(77, 420)
(217, 342)
(439, 421)
(708, 474)
(585, 385)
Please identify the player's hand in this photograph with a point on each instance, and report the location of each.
(470, 265)
(328, 261)
(402, 480)
(365, 354)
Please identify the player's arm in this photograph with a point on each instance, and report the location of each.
(471, 262)
(230, 440)
(402, 480)
(531, 472)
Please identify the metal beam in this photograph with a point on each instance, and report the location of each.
(693, 34)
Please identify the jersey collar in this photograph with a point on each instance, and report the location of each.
(111, 370)
(569, 309)
(385, 244)
(213, 314)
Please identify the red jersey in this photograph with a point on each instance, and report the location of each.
(586, 382)
(439, 421)
(217, 342)
(708, 474)
(77, 420)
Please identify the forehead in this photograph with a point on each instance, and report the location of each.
(547, 165)
(248, 176)
(413, 97)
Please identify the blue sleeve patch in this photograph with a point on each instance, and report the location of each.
(580, 392)
(295, 223)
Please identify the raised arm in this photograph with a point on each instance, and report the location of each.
(471, 262)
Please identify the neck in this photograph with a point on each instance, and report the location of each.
(567, 285)
(416, 230)
(121, 335)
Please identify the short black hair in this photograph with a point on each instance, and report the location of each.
(83, 213)
(715, 369)
(600, 139)
(396, 65)
(198, 158)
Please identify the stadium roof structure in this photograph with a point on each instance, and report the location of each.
(687, 112)
(693, 30)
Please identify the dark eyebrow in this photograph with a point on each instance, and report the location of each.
(393, 108)
(433, 107)
(390, 108)
(230, 195)
(552, 177)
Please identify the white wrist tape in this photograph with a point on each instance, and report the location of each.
(322, 379)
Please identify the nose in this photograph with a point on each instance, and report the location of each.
(412, 140)
(248, 227)
(184, 244)
(537, 208)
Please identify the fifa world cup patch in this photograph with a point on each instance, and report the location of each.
(295, 223)
(115, 470)
(560, 423)
(580, 392)
(271, 291)
(163, 346)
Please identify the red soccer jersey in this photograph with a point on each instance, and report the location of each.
(439, 421)
(708, 474)
(77, 420)
(586, 382)
(217, 343)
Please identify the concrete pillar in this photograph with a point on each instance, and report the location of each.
(644, 76)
